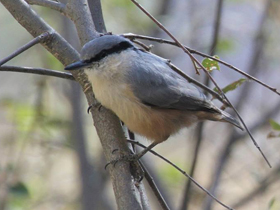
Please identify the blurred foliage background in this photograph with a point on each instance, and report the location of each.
(50, 155)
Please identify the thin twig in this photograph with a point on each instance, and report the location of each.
(207, 73)
(240, 118)
(183, 172)
(168, 32)
(154, 187)
(164, 41)
(191, 80)
(34, 41)
(201, 125)
(188, 78)
(57, 6)
(145, 47)
(40, 71)
(148, 176)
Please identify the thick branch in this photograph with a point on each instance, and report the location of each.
(97, 16)
(106, 123)
(49, 4)
(79, 13)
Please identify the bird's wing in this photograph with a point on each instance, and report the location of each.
(157, 85)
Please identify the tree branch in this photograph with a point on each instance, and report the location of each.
(40, 71)
(183, 172)
(164, 41)
(57, 6)
(25, 47)
(154, 187)
(201, 125)
(97, 16)
(234, 137)
(195, 61)
(106, 123)
(205, 88)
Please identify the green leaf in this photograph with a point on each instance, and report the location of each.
(210, 64)
(232, 86)
(19, 189)
(274, 125)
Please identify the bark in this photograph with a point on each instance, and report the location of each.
(107, 124)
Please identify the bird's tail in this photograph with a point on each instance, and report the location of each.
(228, 118)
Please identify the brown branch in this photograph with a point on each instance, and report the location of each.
(106, 123)
(194, 60)
(164, 41)
(40, 71)
(145, 47)
(57, 6)
(183, 172)
(214, 94)
(168, 32)
(199, 131)
(227, 150)
(154, 187)
(205, 88)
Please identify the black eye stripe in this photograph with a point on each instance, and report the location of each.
(115, 49)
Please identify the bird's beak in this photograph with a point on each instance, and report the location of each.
(77, 65)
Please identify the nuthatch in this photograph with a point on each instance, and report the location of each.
(142, 90)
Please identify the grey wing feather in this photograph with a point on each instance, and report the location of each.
(157, 85)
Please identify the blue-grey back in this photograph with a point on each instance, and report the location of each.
(156, 84)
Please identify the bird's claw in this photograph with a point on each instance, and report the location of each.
(129, 158)
(136, 169)
(98, 106)
(89, 108)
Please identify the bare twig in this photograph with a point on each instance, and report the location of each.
(164, 41)
(106, 123)
(168, 32)
(240, 118)
(57, 6)
(34, 41)
(194, 60)
(183, 172)
(145, 47)
(154, 187)
(148, 176)
(201, 125)
(40, 71)
(205, 88)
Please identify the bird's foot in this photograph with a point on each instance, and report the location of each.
(128, 158)
(135, 168)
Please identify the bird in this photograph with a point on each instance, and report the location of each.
(143, 91)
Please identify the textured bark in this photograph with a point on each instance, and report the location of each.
(107, 124)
